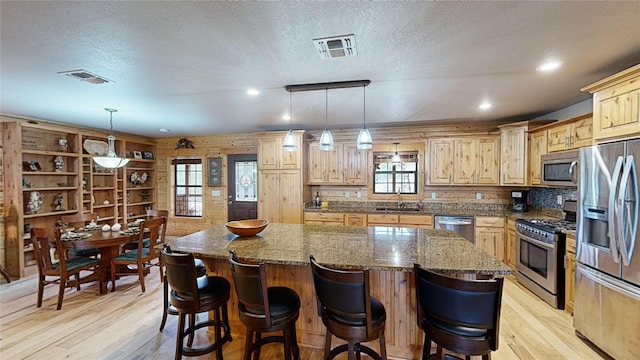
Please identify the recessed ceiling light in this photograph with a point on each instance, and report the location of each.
(549, 66)
(286, 117)
(485, 105)
(164, 130)
(253, 92)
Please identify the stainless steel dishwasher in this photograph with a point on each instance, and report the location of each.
(463, 225)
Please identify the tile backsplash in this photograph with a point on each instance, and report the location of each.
(547, 198)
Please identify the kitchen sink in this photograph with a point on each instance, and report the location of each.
(397, 209)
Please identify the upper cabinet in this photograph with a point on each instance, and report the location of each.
(463, 161)
(616, 106)
(271, 156)
(514, 144)
(537, 148)
(570, 134)
(344, 165)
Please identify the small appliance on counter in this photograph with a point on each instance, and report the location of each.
(519, 200)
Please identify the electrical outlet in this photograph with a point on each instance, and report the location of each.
(346, 194)
(479, 196)
(433, 195)
(559, 200)
(215, 192)
(359, 194)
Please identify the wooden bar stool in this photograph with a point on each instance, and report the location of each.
(191, 295)
(462, 316)
(353, 315)
(264, 309)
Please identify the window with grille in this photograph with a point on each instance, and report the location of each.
(188, 187)
(391, 174)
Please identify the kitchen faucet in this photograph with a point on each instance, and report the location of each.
(400, 203)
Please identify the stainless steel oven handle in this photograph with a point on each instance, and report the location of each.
(572, 173)
(536, 242)
(612, 209)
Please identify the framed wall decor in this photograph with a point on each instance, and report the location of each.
(214, 171)
(147, 155)
(137, 154)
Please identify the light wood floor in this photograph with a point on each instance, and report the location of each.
(124, 325)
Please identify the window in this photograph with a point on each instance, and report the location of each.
(188, 187)
(389, 176)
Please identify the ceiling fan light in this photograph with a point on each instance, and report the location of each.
(364, 140)
(290, 142)
(326, 140)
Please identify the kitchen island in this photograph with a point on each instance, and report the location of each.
(389, 252)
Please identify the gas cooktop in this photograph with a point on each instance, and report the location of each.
(551, 224)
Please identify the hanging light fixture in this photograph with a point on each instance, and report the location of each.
(326, 139)
(396, 157)
(111, 160)
(364, 140)
(290, 142)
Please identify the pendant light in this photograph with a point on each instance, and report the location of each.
(396, 157)
(326, 139)
(290, 142)
(364, 140)
(111, 160)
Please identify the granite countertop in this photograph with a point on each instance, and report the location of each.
(347, 247)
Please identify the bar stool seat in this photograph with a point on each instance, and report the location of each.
(191, 295)
(169, 309)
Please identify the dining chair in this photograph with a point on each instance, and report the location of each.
(78, 221)
(191, 295)
(348, 311)
(143, 256)
(66, 271)
(264, 309)
(151, 214)
(459, 315)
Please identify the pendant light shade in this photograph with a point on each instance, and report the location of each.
(111, 160)
(396, 157)
(326, 139)
(364, 140)
(290, 142)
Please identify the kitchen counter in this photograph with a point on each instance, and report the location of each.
(347, 247)
(387, 252)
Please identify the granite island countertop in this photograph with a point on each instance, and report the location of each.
(347, 247)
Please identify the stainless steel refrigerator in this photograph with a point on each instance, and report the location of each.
(607, 289)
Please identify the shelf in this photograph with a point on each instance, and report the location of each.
(103, 206)
(140, 203)
(42, 173)
(48, 152)
(54, 213)
(139, 188)
(103, 174)
(140, 168)
(49, 188)
(104, 188)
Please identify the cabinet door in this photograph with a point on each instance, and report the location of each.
(268, 153)
(510, 246)
(464, 161)
(570, 271)
(491, 240)
(315, 169)
(355, 165)
(582, 133)
(355, 219)
(487, 171)
(440, 161)
(537, 148)
(269, 197)
(290, 197)
(272, 156)
(559, 138)
(513, 149)
(325, 167)
(616, 111)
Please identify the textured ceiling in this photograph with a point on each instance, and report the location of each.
(185, 66)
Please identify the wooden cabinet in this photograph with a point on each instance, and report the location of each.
(570, 134)
(537, 148)
(271, 156)
(513, 145)
(345, 164)
(510, 245)
(569, 271)
(135, 197)
(463, 161)
(351, 219)
(616, 105)
(489, 235)
(401, 220)
(382, 219)
(280, 186)
(323, 218)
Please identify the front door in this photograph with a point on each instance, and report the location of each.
(242, 202)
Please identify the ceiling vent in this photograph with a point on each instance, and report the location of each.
(336, 47)
(86, 76)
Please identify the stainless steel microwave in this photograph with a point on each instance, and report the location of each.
(560, 169)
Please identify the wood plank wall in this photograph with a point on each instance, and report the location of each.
(2, 246)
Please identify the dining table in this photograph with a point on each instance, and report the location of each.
(109, 243)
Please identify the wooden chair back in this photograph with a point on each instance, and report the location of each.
(79, 220)
(152, 213)
(151, 229)
(45, 240)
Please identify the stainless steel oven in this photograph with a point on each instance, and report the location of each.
(539, 259)
(560, 169)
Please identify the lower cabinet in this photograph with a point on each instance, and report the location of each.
(490, 235)
(323, 218)
(510, 245)
(359, 219)
(280, 198)
(569, 273)
(351, 219)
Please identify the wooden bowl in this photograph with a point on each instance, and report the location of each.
(246, 227)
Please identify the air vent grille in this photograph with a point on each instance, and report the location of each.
(86, 76)
(336, 47)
